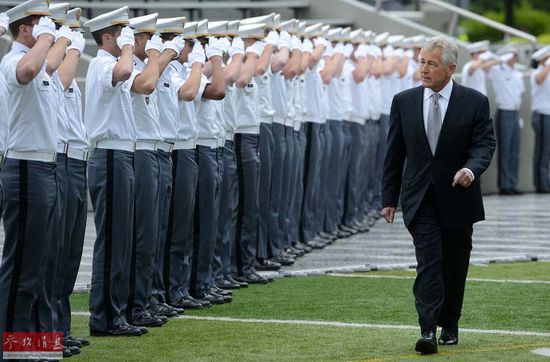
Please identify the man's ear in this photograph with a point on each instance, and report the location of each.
(452, 68)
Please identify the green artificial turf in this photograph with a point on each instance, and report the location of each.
(487, 305)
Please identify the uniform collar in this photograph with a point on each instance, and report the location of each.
(18, 47)
(445, 93)
(138, 62)
(104, 53)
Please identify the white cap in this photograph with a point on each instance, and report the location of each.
(418, 41)
(302, 25)
(345, 35)
(59, 12)
(115, 17)
(395, 39)
(218, 28)
(314, 30)
(268, 20)
(276, 21)
(145, 23)
(334, 34)
(541, 53)
(290, 26)
(254, 31)
(233, 27)
(171, 25)
(324, 30)
(196, 29)
(73, 18)
(480, 46)
(357, 36)
(509, 48)
(368, 35)
(381, 39)
(28, 8)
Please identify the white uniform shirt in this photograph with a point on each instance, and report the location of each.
(290, 85)
(315, 97)
(476, 80)
(62, 119)
(336, 110)
(359, 100)
(389, 87)
(540, 93)
(247, 109)
(299, 86)
(108, 113)
(168, 105)
(73, 108)
(508, 86)
(146, 111)
(4, 112)
(375, 96)
(265, 103)
(230, 111)
(207, 124)
(345, 83)
(279, 98)
(32, 117)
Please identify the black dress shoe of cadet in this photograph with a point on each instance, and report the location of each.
(516, 192)
(220, 291)
(342, 234)
(122, 330)
(241, 284)
(267, 264)
(211, 298)
(327, 236)
(448, 337)
(284, 260)
(506, 192)
(303, 247)
(148, 320)
(226, 298)
(187, 303)
(71, 342)
(427, 343)
(74, 350)
(162, 309)
(83, 341)
(252, 278)
(226, 284)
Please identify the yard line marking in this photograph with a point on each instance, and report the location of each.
(347, 325)
(504, 281)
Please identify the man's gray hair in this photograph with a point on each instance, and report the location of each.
(449, 50)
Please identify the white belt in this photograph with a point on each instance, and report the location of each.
(78, 154)
(116, 145)
(185, 145)
(147, 145)
(62, 147)
(248, 130)
(44, 156)
(221, 142)
(208, 142)
(266, 119)
(279, 120)
(165, 146)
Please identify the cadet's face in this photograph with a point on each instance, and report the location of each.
(186, 50)
(435, 75)
(26, 31)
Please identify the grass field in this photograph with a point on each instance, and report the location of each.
(351, 317)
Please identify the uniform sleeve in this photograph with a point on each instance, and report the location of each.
(9, 69)
(105, 69)
(4, 111)
(132, 78)
(202, 87)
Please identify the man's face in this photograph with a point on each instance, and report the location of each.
(435, 75)
(140, 42)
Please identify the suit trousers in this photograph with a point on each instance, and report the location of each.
(442, 257)
(508, 133)
(178, 250)
(158, 294)
(383, 129)
(227, 220)
(248, 162)
(276, 234)
(112, 187)
(205, 225)
(541, 156)
(310, 223)
(76, 213)
(30, 212)
(264, 248)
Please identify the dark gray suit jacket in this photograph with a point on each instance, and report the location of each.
(466, 140)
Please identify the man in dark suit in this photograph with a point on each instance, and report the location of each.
(444, 133)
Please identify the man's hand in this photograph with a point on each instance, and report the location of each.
(388, 213)
(46, 28)
(126, 37)
(154, 46)
(4, 23)
(463, 177)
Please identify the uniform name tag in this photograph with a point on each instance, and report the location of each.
(250, 85)
(45, 82)
(71, 90)
(147, 100)
(167, 85)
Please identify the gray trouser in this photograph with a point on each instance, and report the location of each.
(326, 178)
(76, 214)
(383, 128)
(264, 248)
(541, 156)
(344, 173)
(372, 154)
(297, 201)
(336, 161)
(112, 187)
(248, 162)
(508, 148)
(227, 220)
(165, 192)
(276, 234)
(205, 220)
(30, 213)
(353, 194)
(178, 250)
(287, 193)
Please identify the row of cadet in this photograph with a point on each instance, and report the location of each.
(506, 76)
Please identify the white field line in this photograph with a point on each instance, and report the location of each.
(503, 281)
(349, 325)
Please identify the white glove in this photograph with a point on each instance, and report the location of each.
(485, 56)
(400, 53)
(284, 40)
(547, 62)
(295, 43)
(307, 46)
(126, 37)
(256, 48)
(4, 21)
(272, 38)
(155, 43)
(320, 41)
(348, 49)
(339, 48)
(224, 44)
(64, 32)
(197, 54)
(213, 48)
(78, 42)
(237, 47)
(388, 51)
(375, 51)
(506, 57)
(329, 50)
(361, 51)
(409, 53)
(44, 26)
(175, 44)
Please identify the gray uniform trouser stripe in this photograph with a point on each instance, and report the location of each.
(374, 140)
(206, 220)
(227, 221)
(179, 240)
(336, 158)
(146, 231)
(343, 183)
(111, 184)
(508, 148)
(353, 189)
(326, 177)
(363, 177)
(297, 200)
(76, 207)
(383, 129)
(30, 191)
(165, 191)
(276, 209)
(289, 179)
(264, 248)
(246, 149)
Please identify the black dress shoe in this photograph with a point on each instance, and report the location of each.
(162, 309)
(226, 297)
(284, 260)
(187, 303)
(211, 298)
(505, 192)
(241, 284)
(427, 343)
(226, 284)
(83, 341)
(147, 320)
(267, 264)
(342, 234)
(516, 192)
(327, 236)
(74, 350)
(448, 337)
(221, 291)
(304, 247)
(316, 245)
(252, 278)
(66, 352)
(122, 330)
(71, 342)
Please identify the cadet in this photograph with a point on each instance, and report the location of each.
(474, 72)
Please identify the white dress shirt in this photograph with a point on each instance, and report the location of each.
(540, 93)
(508, 86)
(168, 105)
(247, 109)
(4, 95)
(265, 102)
(279, 99)
(78, 138)
(476, 80)
(313, 105)
(146, 112)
